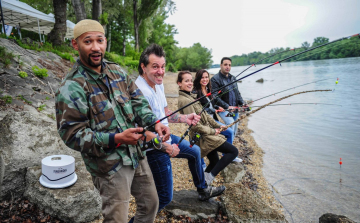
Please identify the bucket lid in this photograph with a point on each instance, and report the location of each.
(58, 171)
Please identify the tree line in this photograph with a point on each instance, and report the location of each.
(342, 49)
(130, 26)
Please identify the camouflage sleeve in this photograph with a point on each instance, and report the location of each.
(73, 123)
(140, 105)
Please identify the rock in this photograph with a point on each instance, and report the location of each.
(2, 171)
(25, 139)
(333, 218)
(261, 80)
(185, 202)
(244, 205)
(80, 202)
(233, 173)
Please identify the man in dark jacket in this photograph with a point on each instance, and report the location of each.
(232, 99)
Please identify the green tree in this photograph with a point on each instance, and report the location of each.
(319, 41)
(305, 45)
(142, 9)
(194, 58)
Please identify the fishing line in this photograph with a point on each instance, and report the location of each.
(301, 104)
(263, 106)
(273, 94)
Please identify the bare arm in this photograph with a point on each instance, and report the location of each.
(175, 118)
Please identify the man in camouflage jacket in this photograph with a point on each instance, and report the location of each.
(96, 108)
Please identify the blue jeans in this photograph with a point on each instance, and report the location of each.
(229, 120)
(160, 166)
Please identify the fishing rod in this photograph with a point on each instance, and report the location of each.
(219, 89)
(270, 103)
(254, 64)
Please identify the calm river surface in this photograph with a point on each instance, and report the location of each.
(303, 143)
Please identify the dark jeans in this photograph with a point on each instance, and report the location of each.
(216, 165)
(160, 166)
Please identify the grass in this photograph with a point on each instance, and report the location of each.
(7, 99)
(51, 116)
(20, 97)
(40, 72)
(41, 107)
(65, 52)
(23, 74)
(5, 56)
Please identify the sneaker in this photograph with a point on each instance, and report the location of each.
(237, 160)
(209, 192)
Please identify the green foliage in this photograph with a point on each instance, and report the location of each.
(7, 99)
(41, 107)
(345, 48)
(6, 57)
(132, 63)
(20, 97)
(103, 19)
(171, 67)
(51, 116)
(47, 98)
(23, 74)
(193, 58)
(40, 72)
(115, 58)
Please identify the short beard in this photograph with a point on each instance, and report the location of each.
(93, 64)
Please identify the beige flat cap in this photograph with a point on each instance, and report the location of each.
(87, 25)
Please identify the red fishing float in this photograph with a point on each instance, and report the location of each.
(340, 162)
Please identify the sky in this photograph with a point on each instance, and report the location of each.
(234, 27)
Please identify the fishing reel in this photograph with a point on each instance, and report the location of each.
(195, 139)
(232, 112)
(153, 143)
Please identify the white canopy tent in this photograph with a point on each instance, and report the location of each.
(16, 13)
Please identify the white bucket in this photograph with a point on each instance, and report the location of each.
(58, 171)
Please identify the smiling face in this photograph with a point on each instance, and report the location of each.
(91, 47)
(155, 70)
(225, 67)
(204, 79)
(187, 83)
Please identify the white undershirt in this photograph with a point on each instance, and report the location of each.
(156, 99)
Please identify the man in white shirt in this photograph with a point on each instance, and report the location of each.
(152, 69)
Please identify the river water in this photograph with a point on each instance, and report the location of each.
(303, 143)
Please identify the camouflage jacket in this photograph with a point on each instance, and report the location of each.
(91, 108)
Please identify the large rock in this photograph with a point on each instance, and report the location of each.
(80, 202)
(261, 80)
(185, 202)
(233, 173)
(244, 205)
(333, 218)
(25, 139)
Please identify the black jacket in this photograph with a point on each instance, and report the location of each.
(218, 81)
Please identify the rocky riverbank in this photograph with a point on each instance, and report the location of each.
(28, 128)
